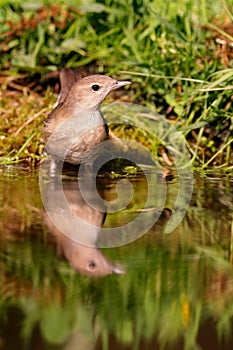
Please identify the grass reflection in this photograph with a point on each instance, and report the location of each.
(173, 283)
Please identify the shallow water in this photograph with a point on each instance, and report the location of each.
(146, 290)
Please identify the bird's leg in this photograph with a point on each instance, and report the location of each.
(52, 167)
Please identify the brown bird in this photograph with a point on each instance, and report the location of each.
(76, 125)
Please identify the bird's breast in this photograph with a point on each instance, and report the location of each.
(75, 137)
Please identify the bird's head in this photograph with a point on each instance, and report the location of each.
(90, 91)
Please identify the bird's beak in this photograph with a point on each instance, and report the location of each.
(118, 270)
(119, 84)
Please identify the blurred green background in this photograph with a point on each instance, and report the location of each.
(178, 55)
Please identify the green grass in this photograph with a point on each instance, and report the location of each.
(178, 54)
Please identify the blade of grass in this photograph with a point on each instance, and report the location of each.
(217, 153)
(15, 158)
(222, 32)
(170, 26)
(161, 76)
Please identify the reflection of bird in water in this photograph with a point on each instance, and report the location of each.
(76, 125)
(75, 226)
(72, 130)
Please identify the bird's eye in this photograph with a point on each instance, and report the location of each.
(91, 265)
(95, 87)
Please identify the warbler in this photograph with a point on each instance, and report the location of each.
(76, 125)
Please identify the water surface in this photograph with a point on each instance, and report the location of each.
(160, 291)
